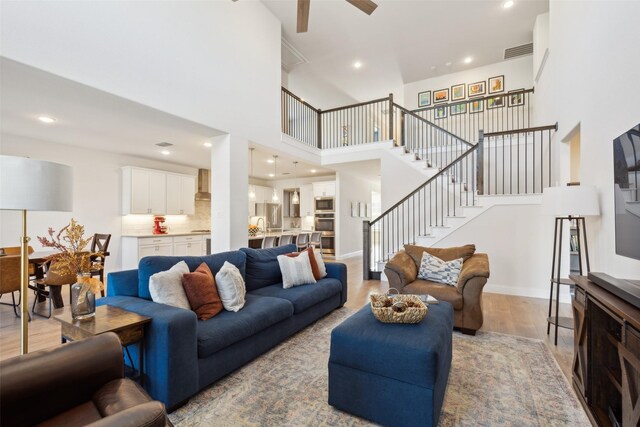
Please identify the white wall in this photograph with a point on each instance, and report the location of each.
(97, 192)
(350, 188)
(517, 75)
(606, 62)
(216, 63)
(316, 90)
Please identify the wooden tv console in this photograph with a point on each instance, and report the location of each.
(606, 362)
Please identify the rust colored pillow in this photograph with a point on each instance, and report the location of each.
(202, 293)
(312, 260)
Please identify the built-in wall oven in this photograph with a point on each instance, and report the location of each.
(326, 223)
(325, 204)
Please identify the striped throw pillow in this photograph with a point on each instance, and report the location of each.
(436, 270)
(296, 271)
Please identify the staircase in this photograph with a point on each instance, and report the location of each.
(509, 165)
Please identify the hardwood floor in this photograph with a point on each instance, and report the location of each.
(502, 313)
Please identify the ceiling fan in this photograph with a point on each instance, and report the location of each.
(367, 6)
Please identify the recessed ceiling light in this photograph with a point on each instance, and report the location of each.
(468, 60)
(46, 119)
(207, 144)
(166, 152)
(270, 161)
(313, 171)
(357, 64)
(508, 4)
(448, 64)
(271, 175)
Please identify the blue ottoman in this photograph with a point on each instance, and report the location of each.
(391, 374)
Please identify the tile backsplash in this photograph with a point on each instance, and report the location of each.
(143, 224)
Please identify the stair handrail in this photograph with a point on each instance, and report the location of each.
(477, 98)
(525, 130)
(358, 104)
(297, 98)
(427, 182)
(412, 114)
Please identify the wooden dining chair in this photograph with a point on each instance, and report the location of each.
(316, 240)
(268, 242)
(10, 279)
(285, 239)
(54, 281)
(33, 268)
(100, 243)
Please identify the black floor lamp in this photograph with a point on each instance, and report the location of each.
(572, 203)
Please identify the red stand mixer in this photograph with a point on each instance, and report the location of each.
(158, 228)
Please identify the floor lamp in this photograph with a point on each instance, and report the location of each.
(571, 203)
(32, 185)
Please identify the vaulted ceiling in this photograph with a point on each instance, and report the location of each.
(403, 40)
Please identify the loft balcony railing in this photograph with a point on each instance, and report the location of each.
(418, 130)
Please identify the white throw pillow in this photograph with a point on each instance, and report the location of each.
(323, 268)
(165, 287)
(296, 270)
(436, 270)
(231, 287)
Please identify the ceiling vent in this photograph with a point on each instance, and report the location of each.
(164, 144)
(516, 51)
(290, 56)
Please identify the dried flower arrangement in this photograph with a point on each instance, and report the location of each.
(72, 256)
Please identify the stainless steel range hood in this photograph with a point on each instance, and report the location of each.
(204, 185)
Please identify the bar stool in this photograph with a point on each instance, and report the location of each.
(316, 240)
(302, 241)
(269, 242)
(285, 239)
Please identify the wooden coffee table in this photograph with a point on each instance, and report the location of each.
(127, 325)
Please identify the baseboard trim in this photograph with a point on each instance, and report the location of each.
(565, 296)
(349, 255)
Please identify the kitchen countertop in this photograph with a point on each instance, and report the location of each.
(278, 234)
(170, 234)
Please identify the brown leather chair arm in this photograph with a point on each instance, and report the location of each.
(476, 266)
(57, 379)
(400, 270)
(149, 414)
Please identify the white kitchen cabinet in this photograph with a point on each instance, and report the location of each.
(181, 190)
(144, 191)
(135, 248)
(154, 192)
(307, 207)
(188, 246)
(324, 189)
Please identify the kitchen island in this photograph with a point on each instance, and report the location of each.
(255, 242)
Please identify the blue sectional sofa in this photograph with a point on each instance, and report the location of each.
(182, 355)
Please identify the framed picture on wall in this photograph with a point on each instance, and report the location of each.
(354, 209)
(476, 106)
(424, 99)
(458, 109)
(476, 89)
(440, 112)
(496, 102)
(362, 208)
(516, 99)
(457, 92)
(496, 84)
(441, 95)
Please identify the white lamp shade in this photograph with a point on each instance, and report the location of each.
(35, 185)
(572, 200)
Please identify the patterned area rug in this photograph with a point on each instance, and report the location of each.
(495, 380)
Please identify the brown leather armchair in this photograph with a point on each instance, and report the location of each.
(77, 384)
(465, 297)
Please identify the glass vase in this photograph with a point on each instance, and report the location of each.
(83, 300)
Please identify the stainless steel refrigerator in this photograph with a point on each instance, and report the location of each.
(272, 213)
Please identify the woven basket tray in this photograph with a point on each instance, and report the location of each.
(384, 314)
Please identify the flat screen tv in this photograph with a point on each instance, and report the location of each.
(626, 169)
